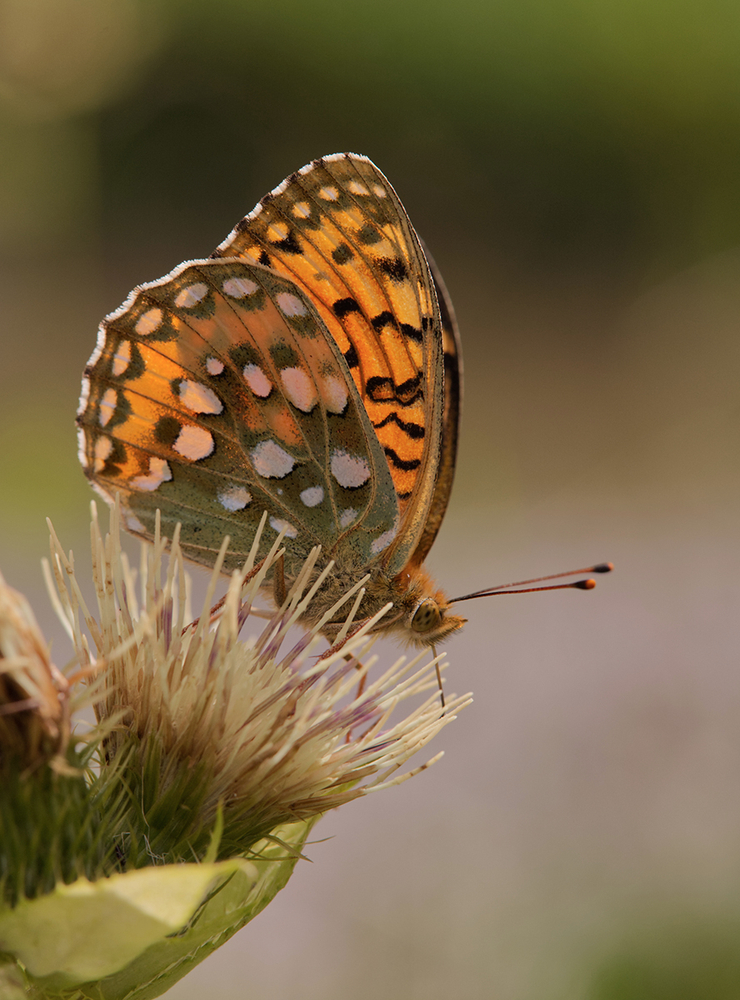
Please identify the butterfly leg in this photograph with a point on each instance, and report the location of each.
(439, 679)
(279, 592)
(358, 666)
(213, 614)
(336, 646)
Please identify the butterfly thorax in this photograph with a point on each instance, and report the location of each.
(419, 614)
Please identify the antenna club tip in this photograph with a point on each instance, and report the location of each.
(606, 567)
(585, 584)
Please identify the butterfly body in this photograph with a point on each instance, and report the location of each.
(310, 369)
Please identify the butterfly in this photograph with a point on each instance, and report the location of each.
(310, 369)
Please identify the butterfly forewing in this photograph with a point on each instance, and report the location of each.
(337, 229)
(216, 394)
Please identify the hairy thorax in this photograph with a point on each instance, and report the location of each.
(419, 612)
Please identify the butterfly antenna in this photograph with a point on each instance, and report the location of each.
(509, 588)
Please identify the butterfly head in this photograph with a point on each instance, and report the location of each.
(424, 619)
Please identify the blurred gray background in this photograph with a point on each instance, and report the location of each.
(573, 167)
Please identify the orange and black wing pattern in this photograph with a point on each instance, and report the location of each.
(337, 229)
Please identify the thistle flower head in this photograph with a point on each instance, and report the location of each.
(207, 724)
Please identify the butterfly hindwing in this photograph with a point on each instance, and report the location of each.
(216, 394)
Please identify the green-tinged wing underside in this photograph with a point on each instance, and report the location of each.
(217, 394)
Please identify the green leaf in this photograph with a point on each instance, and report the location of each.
(134, 935)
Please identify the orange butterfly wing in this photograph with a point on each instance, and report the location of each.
(338, 230)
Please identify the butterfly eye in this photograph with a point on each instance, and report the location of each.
(427, 616)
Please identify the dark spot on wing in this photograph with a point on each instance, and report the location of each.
(341, 254)
(415, 431)
(344, 306)
(167, 430)
(407, 465)
(412, 333)
(383, 319)
(382, 389)
(394, 267)
(283, 355)
(289, 244)
(369, 235)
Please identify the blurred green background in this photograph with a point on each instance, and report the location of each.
(573, 167)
